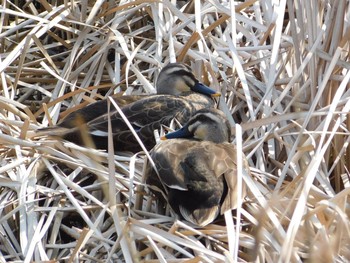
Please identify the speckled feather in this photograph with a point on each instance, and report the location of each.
(217, 160)
(145, 113)
(200, 177)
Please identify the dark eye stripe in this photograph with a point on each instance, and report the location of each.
(181, 71)
(193, 126)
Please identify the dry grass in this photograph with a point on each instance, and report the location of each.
(283, 67)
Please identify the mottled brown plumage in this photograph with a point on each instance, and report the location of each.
(197, 168)
(180, 94)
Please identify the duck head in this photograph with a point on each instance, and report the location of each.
(177, 79)
(205, 125)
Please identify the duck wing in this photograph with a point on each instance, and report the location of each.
(86, 114)
(97, 109)
(145, 116)
(143, 112)
(223, 160)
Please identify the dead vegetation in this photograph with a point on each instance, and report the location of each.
(283, 69)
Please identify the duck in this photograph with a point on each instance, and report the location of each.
(179, 96)
(195, 169)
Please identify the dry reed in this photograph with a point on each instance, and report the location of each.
(283, 69)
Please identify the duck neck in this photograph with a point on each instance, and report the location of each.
(199, 101)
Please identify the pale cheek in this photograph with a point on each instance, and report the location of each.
(200, 134)
(181, 86)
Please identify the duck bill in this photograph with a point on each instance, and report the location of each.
(201, 88)
(181, 133)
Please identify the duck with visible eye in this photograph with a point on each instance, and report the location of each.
(197, 168)
(179, 95)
